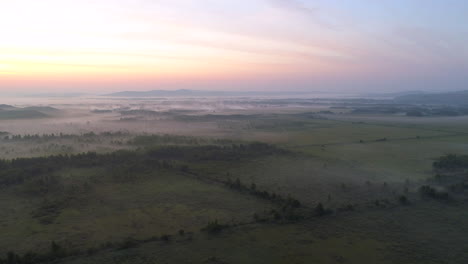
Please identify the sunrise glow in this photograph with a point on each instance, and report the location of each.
(63, 44)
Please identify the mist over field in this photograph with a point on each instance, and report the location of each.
(234, 131)
(329, 179)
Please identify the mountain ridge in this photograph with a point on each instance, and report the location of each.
(188, 92)
(447, 98)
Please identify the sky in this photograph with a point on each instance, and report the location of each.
(261, 45)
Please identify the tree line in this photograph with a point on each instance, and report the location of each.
(52, 136)
(16, 171)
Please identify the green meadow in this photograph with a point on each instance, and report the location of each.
(289, 187)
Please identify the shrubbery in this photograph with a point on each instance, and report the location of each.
(214, 227)
(428, 191)
(125, 163)
(451, 162)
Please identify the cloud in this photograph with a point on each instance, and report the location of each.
(430, 42)
(295, 6)
(311, 13)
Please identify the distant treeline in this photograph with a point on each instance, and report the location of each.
(411, 110)
(149, 140)
(252, 189)
(51, 136)
(232, 152)
(140, 140)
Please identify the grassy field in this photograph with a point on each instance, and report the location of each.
(151, 205)
(382, 236)
(339, 160)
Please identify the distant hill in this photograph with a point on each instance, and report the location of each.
(6, 107)
(42, 109)
(47, 95)
(189, 93)
(152, 93)
(449, 98)
(21, 114)
(392, 95)
(32, 112)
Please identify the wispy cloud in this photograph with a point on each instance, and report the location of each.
(297, 7)
(183, 39)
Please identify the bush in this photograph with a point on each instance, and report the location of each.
(321, 211)
(214, 227)
(56, 251)
(165, 238)
(402, 199)
(451, 162)
(347, 207)
(428, 191)
(128, 243)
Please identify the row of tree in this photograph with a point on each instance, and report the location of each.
(151, 140)
(285, 202)
(51, 136)
(16, 171)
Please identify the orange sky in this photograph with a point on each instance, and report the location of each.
(110, 45)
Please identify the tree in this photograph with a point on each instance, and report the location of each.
(214, 227)
(238, 183)
(56, 251)
(253, 186)
(13, 258)
(403, 200)
(165, 238)
(320, 210)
